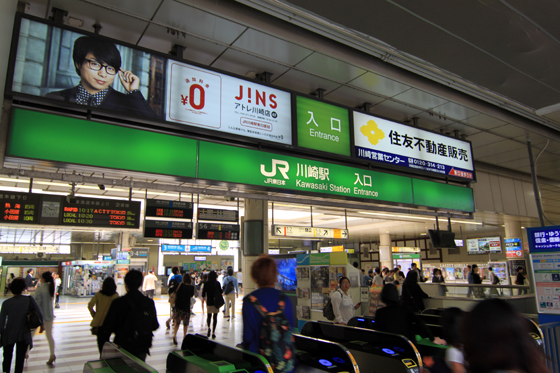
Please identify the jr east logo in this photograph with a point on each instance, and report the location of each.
(278, 166)
(195, 96)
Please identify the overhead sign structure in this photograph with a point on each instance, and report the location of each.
(322, 126)
(544, 239)
(309, 232)
(546, 272)
(221, 162)
(206, 231)
(203, 98)
(169, 209)
(388, 142)
(168, 229)
(218, 215)
(20, 208)
(513, 248)
(107, 213)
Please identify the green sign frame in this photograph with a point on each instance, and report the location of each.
(323, 126)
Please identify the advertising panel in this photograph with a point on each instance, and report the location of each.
(203, 98)
(69, 67)
(484, 245)
(546, 272)
(513, 248)
(544, 239)
(322, 126)
(385, 141)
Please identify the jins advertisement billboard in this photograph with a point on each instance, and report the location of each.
(72, 68)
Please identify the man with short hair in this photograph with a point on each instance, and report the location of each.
(520, 280)
(149, 285)
(132, 318)
(378, 280)
(29, 283)
(414, 267)
(367, 279)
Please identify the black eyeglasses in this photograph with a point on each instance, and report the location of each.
(96, 66)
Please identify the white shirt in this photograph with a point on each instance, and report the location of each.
(57, 283)
(454, 355)
(149, 282)
(239, 276)
(220, 278)
(343, 306)
(378, 280)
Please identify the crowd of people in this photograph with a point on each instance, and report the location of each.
(268, 320)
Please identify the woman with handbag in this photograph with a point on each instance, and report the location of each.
(102, 301)
(17, 331)
(44, 295)
(182, 308)
(214, 300)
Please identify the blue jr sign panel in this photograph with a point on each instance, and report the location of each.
(544, 239)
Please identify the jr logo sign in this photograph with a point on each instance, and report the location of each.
(277, 164)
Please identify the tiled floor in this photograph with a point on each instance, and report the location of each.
(75, 345)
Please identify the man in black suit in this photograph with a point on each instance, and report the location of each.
(97, 63)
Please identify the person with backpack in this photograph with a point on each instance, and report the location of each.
(172, 285)
(268, 319)
(342, 304)
(231, 291)
(132, 318)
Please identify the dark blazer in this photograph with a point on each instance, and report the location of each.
(130, 104)
(184, 295)
(400, 320)
(13, 320)
(413, 296)
(119, 311)
(210, 288)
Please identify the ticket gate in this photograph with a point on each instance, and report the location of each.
(115, 359)
(317, 355)
(202, 355)
(374, 352)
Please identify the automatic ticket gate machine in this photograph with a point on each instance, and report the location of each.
(117, 360)
(374, 352)
(201, 355)
(316, 355)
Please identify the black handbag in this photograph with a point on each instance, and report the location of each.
(33, 319)
(218, 299)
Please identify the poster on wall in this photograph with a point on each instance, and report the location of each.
(546, 272)
(320, 290)
(203, 98)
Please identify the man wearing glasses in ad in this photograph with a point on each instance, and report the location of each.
(97, 63)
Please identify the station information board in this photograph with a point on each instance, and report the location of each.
(218, 215)
(20, 208)
(169, 209)
(207, 231)
(168, 229)
(103, 213)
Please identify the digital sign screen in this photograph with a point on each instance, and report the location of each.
(169, 209)
(484, 245)
(20, 208)
(106, 213)
(218, 215)
(167, 229)
(544, 239)
(217, 232)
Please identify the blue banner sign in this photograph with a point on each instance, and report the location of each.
(186, 248)
(544, 239)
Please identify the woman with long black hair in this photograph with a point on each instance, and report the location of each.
(102, 301)
(210, 290)
(44, 295)
(412, 293)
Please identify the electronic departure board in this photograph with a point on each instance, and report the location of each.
(217, 231)
(169, 209)
(20, 208)
(218, 215)
(106, 213)
(168, 229)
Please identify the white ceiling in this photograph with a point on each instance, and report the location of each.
(238, 39)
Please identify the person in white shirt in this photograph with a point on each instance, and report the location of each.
(221, 277)
(239, 276)
(377, 279)
(149, 285)
(342, 303)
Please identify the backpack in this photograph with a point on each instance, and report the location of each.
(228, 287)
(276, 343)
(328, 311)
(139, 326)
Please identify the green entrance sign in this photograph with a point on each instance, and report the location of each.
(453, 197)
(70, 140)
(322, 126)
(406, 256)
(247, 166)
